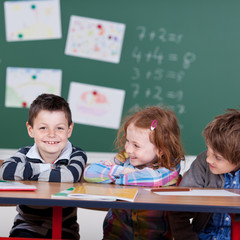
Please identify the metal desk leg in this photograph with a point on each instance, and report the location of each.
(235, 235)
(57, 223)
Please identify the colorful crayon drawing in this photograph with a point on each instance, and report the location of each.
(23, 85)
(96, 105)
(95, 39)
(32, 20)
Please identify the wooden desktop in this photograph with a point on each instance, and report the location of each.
(144, 200)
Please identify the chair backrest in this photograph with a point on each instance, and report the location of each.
(179, 179)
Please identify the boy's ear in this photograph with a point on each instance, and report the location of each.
(29, 129)
(70, 129)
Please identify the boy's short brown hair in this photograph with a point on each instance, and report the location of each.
(223, 135)
(49, 102)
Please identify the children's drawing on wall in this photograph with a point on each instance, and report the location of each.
(23, 85)
(96, 105)
(95, 39)
(32, 20)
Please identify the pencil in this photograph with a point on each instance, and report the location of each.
(176, 189)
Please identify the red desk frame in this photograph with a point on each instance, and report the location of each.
(56, 227)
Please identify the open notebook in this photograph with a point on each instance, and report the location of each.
(100, 192)
(15, 186)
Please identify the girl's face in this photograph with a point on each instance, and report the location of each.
(139, 148)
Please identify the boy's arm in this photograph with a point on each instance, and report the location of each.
(14, 167)
(71, 172)
(17, 168)
(197, 173)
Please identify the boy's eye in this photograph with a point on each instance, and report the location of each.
(43, 128)
(137, 146)
(218, 157)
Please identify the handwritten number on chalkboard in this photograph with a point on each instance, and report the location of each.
(157, 55)
(142, 33)
(162, 34)
(158, 93)
(136, 75)
(136, 90)
(158, 74)
(137, 54)
(188, 58)
(181, 108)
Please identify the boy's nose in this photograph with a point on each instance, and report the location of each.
(209, 160)
(51, 133)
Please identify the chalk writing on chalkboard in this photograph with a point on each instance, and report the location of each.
(159, 69)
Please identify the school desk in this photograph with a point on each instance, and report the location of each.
(144, 200)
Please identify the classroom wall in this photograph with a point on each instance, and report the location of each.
(184, 54)
(86, 217)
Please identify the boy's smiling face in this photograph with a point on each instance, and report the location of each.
(218, 164)
(50, 131)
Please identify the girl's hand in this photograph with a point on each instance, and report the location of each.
(128, 170)
(108, 163)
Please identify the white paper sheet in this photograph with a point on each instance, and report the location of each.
(95, 39)
(96, 105)
(32, 20)
(200, 193)
(23, 85)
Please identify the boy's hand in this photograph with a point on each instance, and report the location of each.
(128, 170)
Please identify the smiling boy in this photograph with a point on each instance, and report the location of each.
(218, 167)
(52, 158)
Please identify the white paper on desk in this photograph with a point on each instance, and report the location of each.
(204, 192)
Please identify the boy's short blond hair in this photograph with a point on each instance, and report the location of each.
(223, 135)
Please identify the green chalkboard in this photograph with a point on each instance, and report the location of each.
(185, 54)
